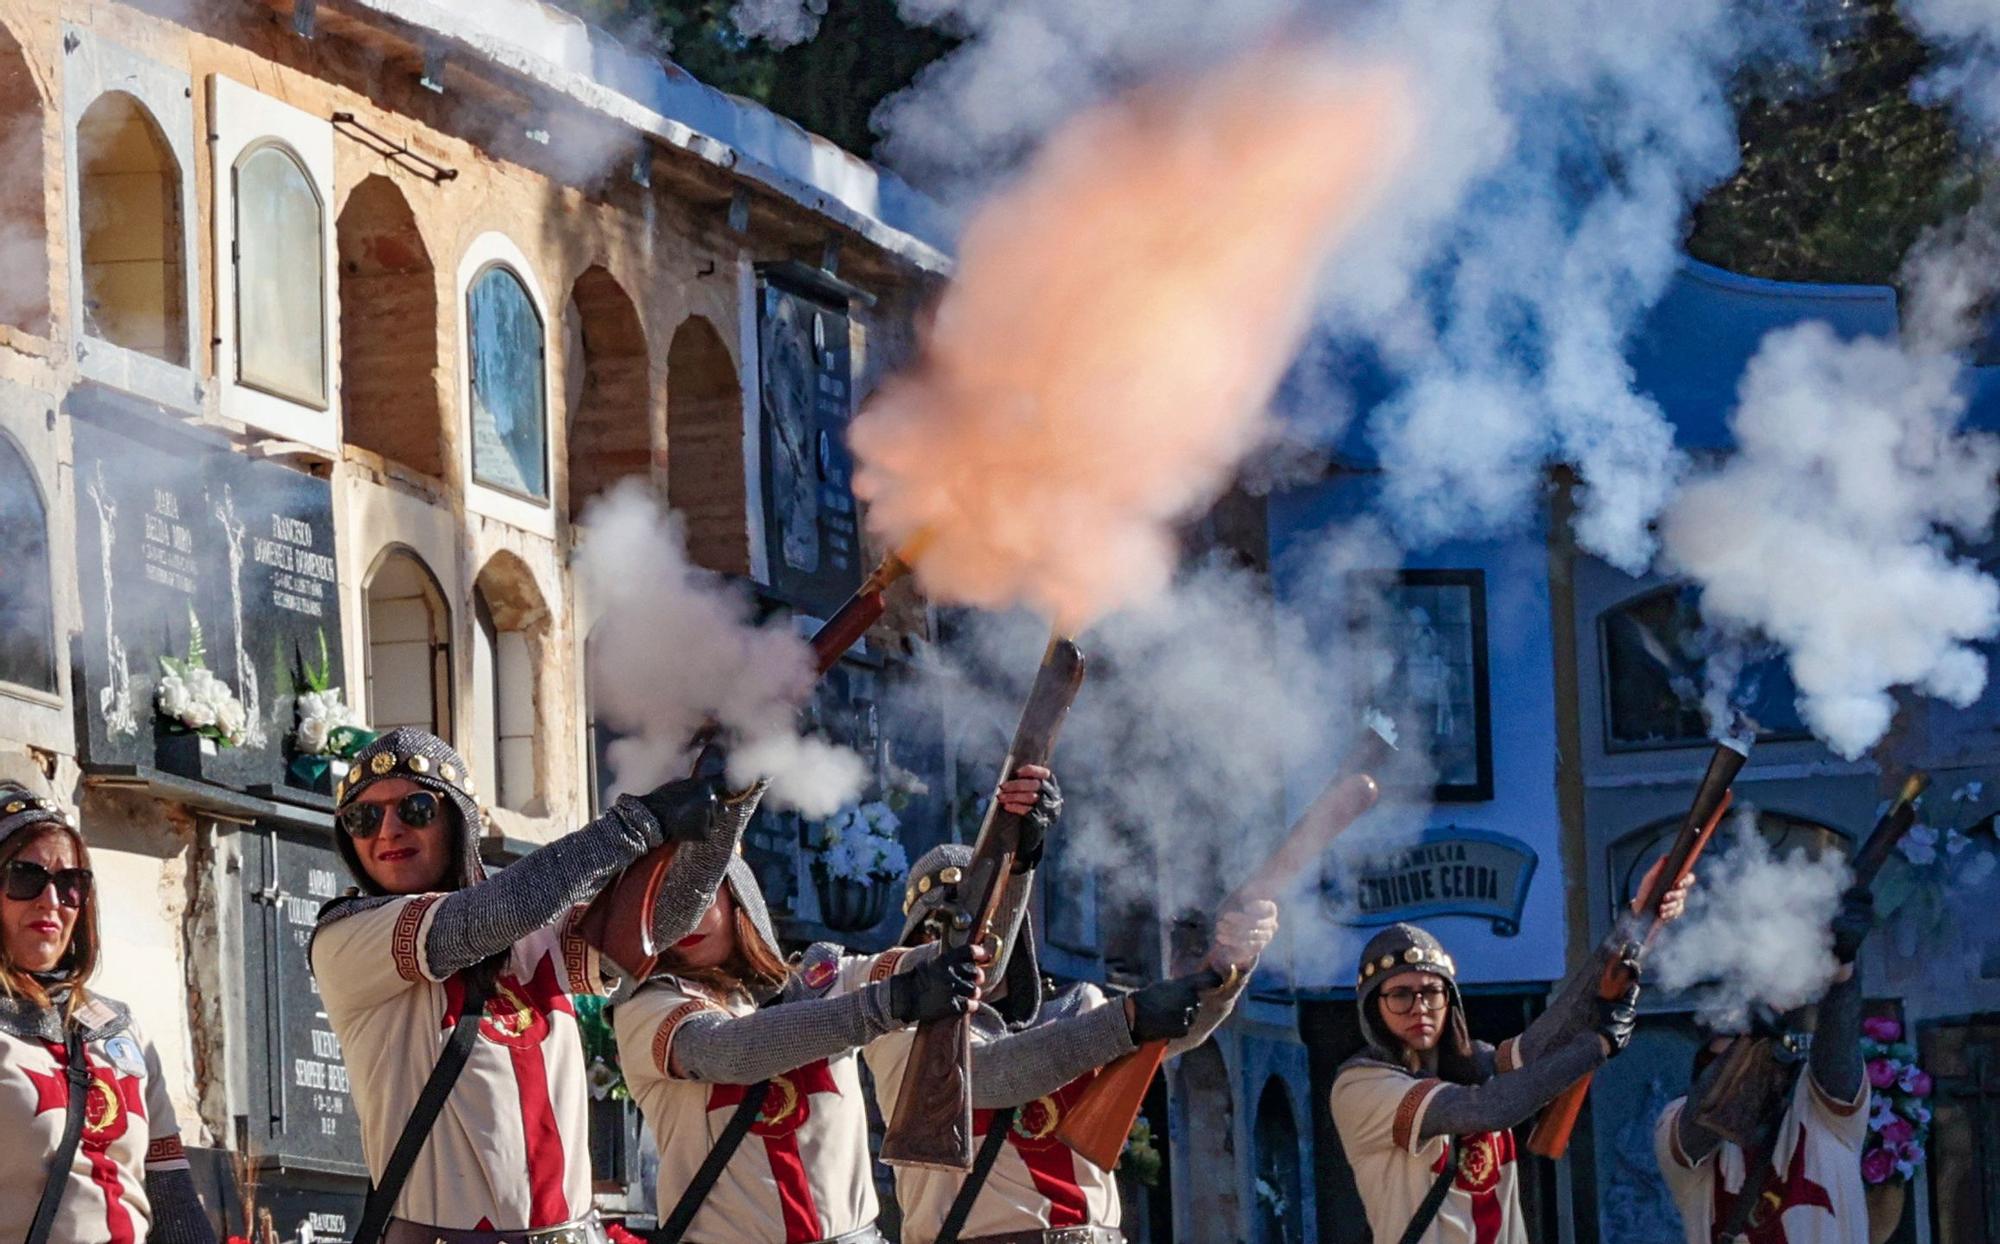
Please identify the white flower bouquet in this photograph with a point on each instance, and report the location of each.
(192, 698)
(859, 844)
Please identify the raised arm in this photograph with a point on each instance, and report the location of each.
(1014, 1068)
(1511, 1097)
(699, 867)
(1571, 1010)
(533, 892)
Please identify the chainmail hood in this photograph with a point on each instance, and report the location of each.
(749, 898)
(432, 763)
(932, 881)
(21, 807)
(1396, 951)
(97, 1018)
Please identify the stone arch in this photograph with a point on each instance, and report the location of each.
(27, 605)
(1280, 1190)
(389, 329)
(409, 639)
(129, 196)
(24, 217)
(705, 447)
(510, 635)
(610, 423)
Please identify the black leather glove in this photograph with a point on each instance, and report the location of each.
(943, 987)
(1164, 1010)
(686, 808)
(1617, 1018)
(1036, 823)
(1852, 923)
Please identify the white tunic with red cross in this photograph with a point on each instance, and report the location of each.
(1037, 1182)
(803, 1172)
(510, 1149)
(1814, 1194)
(128, 1130)
(1379, 1111)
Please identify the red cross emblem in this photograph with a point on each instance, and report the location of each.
(1050, 1163)
(786, 1108)
(518, 1017)
(110, 1103)
(1481, 1157)
(1767, 1221)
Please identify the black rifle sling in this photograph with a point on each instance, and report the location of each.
(975, 1179)
(714, 1164)
(76, 1068)
(1427, 1212)
(381, 1200)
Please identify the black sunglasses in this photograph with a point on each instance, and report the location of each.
(416, 809)
(26, 880)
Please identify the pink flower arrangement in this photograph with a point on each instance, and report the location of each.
(1898, 1118)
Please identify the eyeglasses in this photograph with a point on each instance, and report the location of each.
(1402, 1001)
(416, 809)
(26, 880)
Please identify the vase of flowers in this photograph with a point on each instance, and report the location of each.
(1951, 851)
(199, 713)
(857, 861)
(328, 733)
(1899, 1122)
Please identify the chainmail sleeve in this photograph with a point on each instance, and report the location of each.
(698, 869)
(1836, 1064)
(1014, 1068)
(482, 920)
(177, 1214)
(721, 1049)
(1215, 1007)
(1509, 1098)
(1573, 1009)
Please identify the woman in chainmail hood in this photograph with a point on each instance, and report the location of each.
(1033, 1058)
(1424, 1110)
(728, 1030)
(426, 933)
(126, 1177)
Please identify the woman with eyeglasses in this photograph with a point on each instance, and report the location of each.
(1424, 1112)
(747, 1067)
(427, 938)
(125, 1178)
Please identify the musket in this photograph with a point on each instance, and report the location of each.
(1757, 1074)
(1097, 1125)
(1636, 929)
(619, 921)
(933, 1120)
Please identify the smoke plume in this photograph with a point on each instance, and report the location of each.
(1757, 930)
(1966, 34)
(1120, 318)
(780, 23)
(1823, 531)
(673, 648)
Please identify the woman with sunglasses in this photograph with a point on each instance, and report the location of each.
(127, 1178)
(1423, 1107)
(505, 1159)
(727, 1021)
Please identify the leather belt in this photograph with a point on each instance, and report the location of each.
(582, 1231)
(1052, 1235)
(860, 1235)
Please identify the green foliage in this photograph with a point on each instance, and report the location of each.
(1842, 170)
(317, 675)
(1141, 1156)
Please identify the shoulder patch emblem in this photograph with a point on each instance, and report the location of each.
(124, 1054)
(819, 974)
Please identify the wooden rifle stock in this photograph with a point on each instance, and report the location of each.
(619, 921)
(1758, 1072)
(1552, 1131)
(933, 1120)
(1097, 1125)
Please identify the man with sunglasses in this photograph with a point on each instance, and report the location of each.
(504, 1159)
(1425, 1112)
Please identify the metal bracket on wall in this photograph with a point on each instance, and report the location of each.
(390, 149)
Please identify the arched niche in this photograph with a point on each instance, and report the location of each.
(1279, 1192)
(610, 426)
(510, 634)
(409, 645)
(24, 224)
(388, 329)
(705, 447)
(27, 602)
(129, 195)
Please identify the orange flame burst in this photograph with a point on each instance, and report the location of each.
(1120, 318)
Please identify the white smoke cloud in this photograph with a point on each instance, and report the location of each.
(1827, 530)
(673, 647)
(1757, 930)
(1966, 34)
(780, 23)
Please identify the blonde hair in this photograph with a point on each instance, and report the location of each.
(80, 956)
